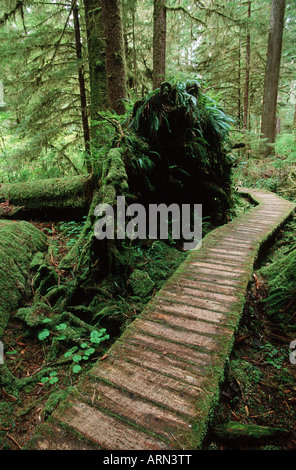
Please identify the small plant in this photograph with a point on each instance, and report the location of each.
(273, 357)
(71, 231)
(52, 378)
(78, 353)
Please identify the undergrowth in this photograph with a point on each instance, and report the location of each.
(275, 173)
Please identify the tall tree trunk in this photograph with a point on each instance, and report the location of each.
(97, 68)
(115, 55)
(159, 42)
(272, 71)
(239, 83)
(84, 114)
(135, 81)
(247, 79)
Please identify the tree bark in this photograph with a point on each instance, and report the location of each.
(239, 83)
(159, 42)
(115, 55)
(247, 80)
(272, 72)
(84, 114)
(97, 66)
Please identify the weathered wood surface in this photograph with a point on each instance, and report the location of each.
(156, 388)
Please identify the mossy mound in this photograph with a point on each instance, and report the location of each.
(140, 283)
(281, 280)
(187, 155)
(18, 242)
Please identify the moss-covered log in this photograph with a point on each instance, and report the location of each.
(88, 250)
(18, 242)
(234, 430)
(49, 198)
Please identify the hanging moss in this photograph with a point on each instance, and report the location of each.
(18, 242)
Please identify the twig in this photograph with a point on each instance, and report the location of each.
(13, 440)
(180, 8)
(115, 124)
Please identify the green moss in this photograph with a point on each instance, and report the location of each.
(53, 401)
(113, 184)
(234, 430)
(140, 283)
(114, 177)
(37, 261)
(54, 193)
(18, 242)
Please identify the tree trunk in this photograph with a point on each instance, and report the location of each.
(97, 66)
(84, 114)
(115, 56)
(239, 82)
(135, 80)
(159, 42)
(272, 71)
(247, 81)
(54, 197)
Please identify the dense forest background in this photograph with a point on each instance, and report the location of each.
(53, 73)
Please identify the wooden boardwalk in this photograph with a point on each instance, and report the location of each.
(158, 385)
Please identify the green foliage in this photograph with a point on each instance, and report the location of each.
(281, 280)
(38, 64)
(187, 134)
(81, 351)
(18, 241)
(51, 379)
(275, 173)
(71, 230)
(274, 356)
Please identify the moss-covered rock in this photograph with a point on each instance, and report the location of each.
(34, 315)
(140, 283)
(18, 242)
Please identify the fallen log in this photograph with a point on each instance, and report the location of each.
(49, 198)
(234, 430)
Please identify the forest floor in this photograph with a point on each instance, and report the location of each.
(259, 387)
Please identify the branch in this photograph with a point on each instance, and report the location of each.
(18, 5)
(65, 156)
(218, 12)
(179, 8)
(116, 125)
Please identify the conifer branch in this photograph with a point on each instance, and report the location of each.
(19, 5)
(180, 8)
